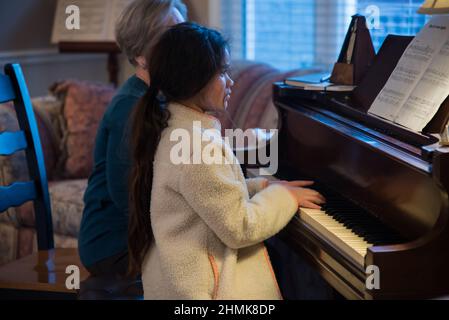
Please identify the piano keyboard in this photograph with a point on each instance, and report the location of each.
(351, 229)
(351, 244)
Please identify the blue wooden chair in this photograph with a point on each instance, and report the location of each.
(42, 274)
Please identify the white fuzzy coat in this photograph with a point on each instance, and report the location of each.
(209, 223)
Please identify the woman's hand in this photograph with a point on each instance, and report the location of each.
(305, 197)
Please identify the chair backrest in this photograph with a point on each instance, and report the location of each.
(13, 88)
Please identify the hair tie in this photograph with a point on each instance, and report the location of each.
(161, 98)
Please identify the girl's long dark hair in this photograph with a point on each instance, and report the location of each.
(183, 62)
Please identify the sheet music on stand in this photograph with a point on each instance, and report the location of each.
(97, 20)
(420, 82)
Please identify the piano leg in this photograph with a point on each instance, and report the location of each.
(296, 278)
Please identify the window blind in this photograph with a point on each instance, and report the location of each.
(291, 34)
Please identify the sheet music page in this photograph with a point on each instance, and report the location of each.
(411, 68)
(93, 21)
(429, 94)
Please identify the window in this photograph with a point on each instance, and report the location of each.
(302, 33)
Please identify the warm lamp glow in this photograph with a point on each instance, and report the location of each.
(434, 7)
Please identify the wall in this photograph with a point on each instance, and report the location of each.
(42, 68)
(206, 12)
(198, 11)
(25, 38)
(28, 22)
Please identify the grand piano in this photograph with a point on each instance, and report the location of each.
(387, 198)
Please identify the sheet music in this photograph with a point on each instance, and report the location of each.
(409, 96)
(428, 95)
(97, 20)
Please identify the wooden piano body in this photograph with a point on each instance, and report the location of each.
(399, 177)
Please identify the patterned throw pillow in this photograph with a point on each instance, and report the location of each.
(84, 106)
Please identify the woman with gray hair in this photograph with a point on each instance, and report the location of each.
(104, 227)
(141, 25)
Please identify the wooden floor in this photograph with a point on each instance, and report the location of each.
(43, 272)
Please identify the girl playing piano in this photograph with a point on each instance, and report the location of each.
(196, 229)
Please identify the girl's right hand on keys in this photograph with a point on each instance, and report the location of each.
(306, 198)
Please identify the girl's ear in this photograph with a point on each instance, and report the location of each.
(142, 62)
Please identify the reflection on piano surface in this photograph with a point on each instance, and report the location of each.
(387, 201)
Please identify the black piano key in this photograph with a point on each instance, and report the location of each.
(356, 219)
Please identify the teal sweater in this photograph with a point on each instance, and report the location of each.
(104, 225)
